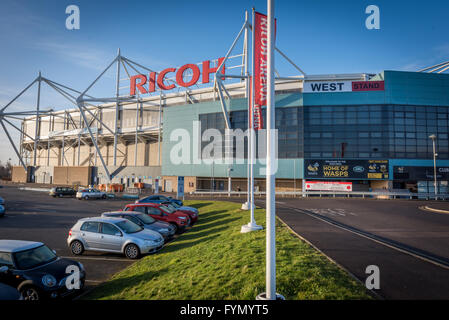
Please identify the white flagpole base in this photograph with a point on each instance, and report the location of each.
(246, 206)
(263, 296)
(250, 227)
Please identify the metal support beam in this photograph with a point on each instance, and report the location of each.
(37, 131)
(80, 107)
(117, 107)
(13, 145)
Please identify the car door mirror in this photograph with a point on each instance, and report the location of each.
(118, 234)
(4, 269)
(54, 251)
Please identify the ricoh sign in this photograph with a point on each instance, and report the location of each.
(342, 86)
(157, 80)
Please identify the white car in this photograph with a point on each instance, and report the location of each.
(87, 194)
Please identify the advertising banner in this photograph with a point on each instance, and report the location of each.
(413, 173)
(342, 86)
(346, 169)
(327, 86)
(260, 67)
(328, 186)
(180, 192)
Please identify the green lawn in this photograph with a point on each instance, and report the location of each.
(214, 260)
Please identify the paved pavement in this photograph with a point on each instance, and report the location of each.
(395, 235)
(35, 216)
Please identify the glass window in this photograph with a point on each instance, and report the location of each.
(6, 259)
(33, 258)
(141, 209)
(90, 226)
(109, 229)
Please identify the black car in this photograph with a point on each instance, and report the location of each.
(37, 272)
(9, 293)
(62, 192)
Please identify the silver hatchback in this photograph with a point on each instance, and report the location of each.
(116, 235)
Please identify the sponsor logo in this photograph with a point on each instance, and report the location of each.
(358, 169)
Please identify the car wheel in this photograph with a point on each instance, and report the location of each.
(86, 197)
(175, 226)
(77, 247)
(132, 251)
(103, 196)
(30, 293)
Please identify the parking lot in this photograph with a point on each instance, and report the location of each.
(409, 245)
(35, 216)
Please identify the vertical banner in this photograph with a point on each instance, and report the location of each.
(260, 68)
(180, 193)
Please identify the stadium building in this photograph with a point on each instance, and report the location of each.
(351, 132)
(374, 138)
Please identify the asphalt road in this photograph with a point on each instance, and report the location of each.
(36, 216)
(357, 233)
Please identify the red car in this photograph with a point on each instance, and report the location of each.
(158, 211)
(174, 207)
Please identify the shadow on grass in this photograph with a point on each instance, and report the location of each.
(174, 246)
(213, 218)
(211, 214)
(200, 205)
(119, 285)
(214, 223)
(195, 234)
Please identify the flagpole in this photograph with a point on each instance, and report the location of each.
(270, 293)
(252, 225)
(247, 204)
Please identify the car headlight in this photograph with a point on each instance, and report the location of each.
(163, 230)
(48, 280)
(182, 218)
(150, 241)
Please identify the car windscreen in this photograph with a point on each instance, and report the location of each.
(167, 209)
(129, 226)
(146, 218)
(174, 204)
(33, 258)
(170, 206)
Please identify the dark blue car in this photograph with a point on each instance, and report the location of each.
(159, 199)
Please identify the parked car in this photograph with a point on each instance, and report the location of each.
(177, 219)
(157, 198)
(2, 211)
(174, 207)
(62, 192)
(87, 194)
(183, 208)
(35, 270)
(145, 221)
(9, 293)
(113, 235)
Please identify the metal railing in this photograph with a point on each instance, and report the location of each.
(330, 194)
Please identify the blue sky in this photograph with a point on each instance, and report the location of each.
(321, 36)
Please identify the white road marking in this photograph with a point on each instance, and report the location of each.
(98, 259)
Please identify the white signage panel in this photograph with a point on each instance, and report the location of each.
(327, 86)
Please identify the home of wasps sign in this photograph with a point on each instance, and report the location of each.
(346, 169)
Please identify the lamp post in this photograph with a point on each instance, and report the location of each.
(433, 137)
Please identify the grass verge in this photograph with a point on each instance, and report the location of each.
(213, 260)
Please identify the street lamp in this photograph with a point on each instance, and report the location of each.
(433, 138)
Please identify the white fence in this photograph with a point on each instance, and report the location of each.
(331, 194)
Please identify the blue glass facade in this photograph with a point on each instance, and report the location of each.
(392, 125)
